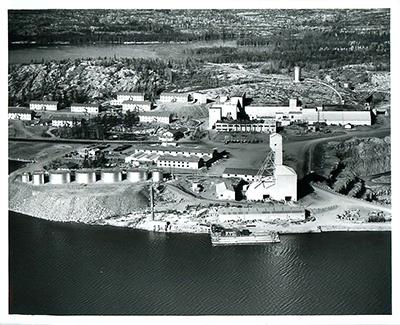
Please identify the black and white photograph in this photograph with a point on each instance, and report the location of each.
(188, 162)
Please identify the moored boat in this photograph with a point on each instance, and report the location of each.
(222, 237)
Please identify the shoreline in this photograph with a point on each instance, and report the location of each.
(198, 229)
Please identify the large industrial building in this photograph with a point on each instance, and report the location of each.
(223, 114)
(273, 180)
(180, 161)
(222, 111)
(281, 184)
(336, 115)
(283, 114)
(175, 151)
(169, 156)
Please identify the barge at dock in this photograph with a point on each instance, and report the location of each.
(227, 237)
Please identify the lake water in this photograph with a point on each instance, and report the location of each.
(67, 269)
(147, 51)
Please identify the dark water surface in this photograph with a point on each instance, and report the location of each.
(145, 51)
(60, 268)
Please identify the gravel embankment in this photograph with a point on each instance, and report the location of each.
(76, 203)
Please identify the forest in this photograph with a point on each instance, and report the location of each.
(248, 27)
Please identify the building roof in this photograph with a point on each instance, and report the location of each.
(242, 122)
(130, 93)
(177, 149)
(84, 105)
(138, 102)
(338, 107)
(48, 102)
(243, 171)
(156, 113)
(58, 117)
(339, 115)
(19, 110)
(265, 210)
(179, 158)
(174, 94)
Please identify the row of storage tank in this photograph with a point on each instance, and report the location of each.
(89, 176)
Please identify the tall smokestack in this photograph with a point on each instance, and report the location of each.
(297, 75)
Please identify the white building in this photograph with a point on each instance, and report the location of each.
(85, 108)
(205, 154)
(280, 113)
(43, 105)
(19, 113)
(199, 98)
(214, 115)
(268, 214)
(267, 125)
(136, 106)
(225, 191)
(167, 161)
(155, 117)
(282, 185)
(221, 112)
(174, 98)
(124, 96)
(141, 157)
(337, 117)
(68, 121)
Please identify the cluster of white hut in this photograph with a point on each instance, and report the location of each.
(88, 176)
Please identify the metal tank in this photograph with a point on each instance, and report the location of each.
(60, 176)
(111, 176)
(136, 175)
(25, 177)
(85, 176)
(157, 175)
(38, 178)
